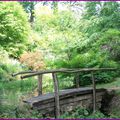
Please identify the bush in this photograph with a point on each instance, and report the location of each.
(87, 60)
(17, 112)
(14, 28)
(33, 60)
(82, 113)
(7, 66)
(85, 113)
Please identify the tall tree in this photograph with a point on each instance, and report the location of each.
(55, 7)
(29, 8)
(91, 9)
(101, 25)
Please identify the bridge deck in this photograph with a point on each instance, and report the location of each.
(63, 94)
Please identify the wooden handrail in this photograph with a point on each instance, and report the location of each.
(67, 71)
(24, 72)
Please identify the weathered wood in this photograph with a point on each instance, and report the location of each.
(94, 92)
(23, 72)
(77, 80)
(63, 94)
(56, 90)
(83, 100)
(68, 71)
(69, 107)
(39, 84)
(67, 101)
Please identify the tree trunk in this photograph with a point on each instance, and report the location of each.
(32, 16)
(55, 7)
(39, 84)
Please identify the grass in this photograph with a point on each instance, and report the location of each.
(113, 85)
(12, 94)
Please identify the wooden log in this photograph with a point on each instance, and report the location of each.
(80, 97)
(67, 101)
(47, 105)
(23, 72)
(68, 71)
(94, 92)
(68, 107)
(77, 80)
(39, 84)
(56, 90)
(64, 94)
(70, 98)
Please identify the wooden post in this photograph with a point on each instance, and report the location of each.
(56, 90)
(77, 80)
(39, 84)
(94, 92)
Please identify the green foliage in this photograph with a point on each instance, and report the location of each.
(88, 60)
(107, 13)
(110, 43)
(91, 9)
(99, 46)
(7, 66)
(29, 8)
(85, 114)
(82, 113)
(17, 112)
(14, 28)
(57, 33)
(12, 94)
(97, 115)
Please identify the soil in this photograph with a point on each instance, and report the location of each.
(111, 103)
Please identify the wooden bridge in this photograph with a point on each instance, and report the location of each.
(64, 100)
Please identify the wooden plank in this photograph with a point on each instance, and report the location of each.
(94, 92)
(48, 105)
(56, 90)
(66, 101)
(39, 84)
(64, 94)
(69, 98)
(67, 105)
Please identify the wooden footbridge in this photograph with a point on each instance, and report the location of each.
(64, 100)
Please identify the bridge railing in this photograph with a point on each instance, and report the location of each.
(28, 74)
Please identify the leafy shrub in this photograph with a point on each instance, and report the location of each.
(82, 113)
(14, 28)
(16, 112)
(88, 60)
(110, 43)
(33, 60)
(7, 66)
(85, 113)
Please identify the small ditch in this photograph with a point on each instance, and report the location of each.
(110, 104)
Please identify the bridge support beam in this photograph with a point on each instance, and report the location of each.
(56, 90)
(39, 84)
(94, 92)
(77, 80)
